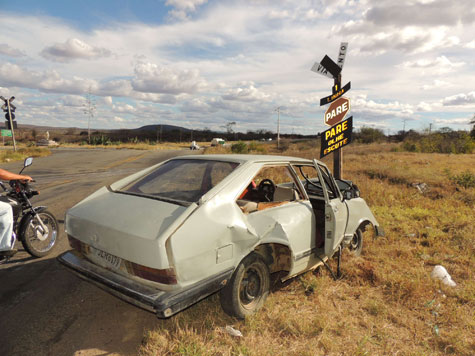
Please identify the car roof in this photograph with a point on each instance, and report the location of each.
(240, 158)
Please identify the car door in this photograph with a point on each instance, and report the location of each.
(292, 220)
(336, 211)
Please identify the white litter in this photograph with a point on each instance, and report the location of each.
(441, 274)
(233, 332)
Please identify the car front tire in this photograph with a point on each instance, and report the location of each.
(356, 244)
(247, 289)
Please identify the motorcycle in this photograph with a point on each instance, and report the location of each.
(35, 227)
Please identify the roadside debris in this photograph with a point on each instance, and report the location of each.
(421, 187)
(441, 274)
(231, 331)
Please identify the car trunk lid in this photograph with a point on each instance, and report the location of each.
(130, 227)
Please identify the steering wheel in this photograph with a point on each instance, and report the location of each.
(267, 189)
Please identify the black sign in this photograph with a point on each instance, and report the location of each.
(336, 95)
(336, 137)
(7, 125)
(330, 66)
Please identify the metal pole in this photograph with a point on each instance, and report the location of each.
(278, 126)
(11, 124)
(338, 154)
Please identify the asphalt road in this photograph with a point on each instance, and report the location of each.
(45, 309)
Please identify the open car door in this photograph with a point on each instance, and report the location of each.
(336, 211)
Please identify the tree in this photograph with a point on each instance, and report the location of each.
(472, 133)
(369, 135)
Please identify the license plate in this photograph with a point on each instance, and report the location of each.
(107, 259)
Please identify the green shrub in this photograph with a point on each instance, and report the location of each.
(240, 147)
(465, 179)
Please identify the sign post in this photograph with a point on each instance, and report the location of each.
(9, 108)
(339, 135)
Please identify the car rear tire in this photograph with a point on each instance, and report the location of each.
(356, 244)
(247, 289)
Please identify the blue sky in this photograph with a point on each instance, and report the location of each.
(199, 63)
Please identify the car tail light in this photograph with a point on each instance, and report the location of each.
(165, 276)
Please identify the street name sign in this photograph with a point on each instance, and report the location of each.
(318, 68)
(337, 111)
(342, 54)
(333, 97)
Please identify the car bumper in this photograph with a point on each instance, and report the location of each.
(163, 303)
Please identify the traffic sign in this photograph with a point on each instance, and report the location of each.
(336, 95)
(330, 66)
(7, 125)
(336, 137)
(337, 111)
(6, 133)
(318, 68)
(342, 54)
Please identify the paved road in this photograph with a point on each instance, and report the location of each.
(45, 309)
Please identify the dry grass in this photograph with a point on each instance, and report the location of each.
(8, 155)
(386, 304)
(139, 146)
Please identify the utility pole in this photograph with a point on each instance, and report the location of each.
(430, 128)
(89, 110)
(278, 125)
(404, 129)
(338, 154)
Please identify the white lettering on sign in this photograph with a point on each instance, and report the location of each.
(337, 111)
(318, 68)
(342, 54)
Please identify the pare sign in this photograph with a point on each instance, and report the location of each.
(337, 111)
(336, 137)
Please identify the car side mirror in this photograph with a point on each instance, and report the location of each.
(348, 195)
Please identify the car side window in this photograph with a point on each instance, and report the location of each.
(308, 175)
(329, 183)
(271, 186)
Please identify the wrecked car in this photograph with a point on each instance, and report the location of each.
(177, 232)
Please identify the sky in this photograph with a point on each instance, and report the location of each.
(204, 64)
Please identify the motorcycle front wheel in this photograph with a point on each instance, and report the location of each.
(37, 240)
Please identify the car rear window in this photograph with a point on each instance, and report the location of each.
(184, 180)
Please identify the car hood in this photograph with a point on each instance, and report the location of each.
(131, 227)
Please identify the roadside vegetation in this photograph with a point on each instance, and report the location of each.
(386, 303)
(8, 155)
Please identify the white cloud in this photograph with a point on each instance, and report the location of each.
(248, 92)
(423, 106)
(441, 61)
(153, 78)
(436, 84)
(72, 49)
(460, 99)
(48, 81)
(73, 100)
(6, 50)
(118, 119)
(183, 7)
(461, 121)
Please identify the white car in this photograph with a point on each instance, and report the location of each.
(173, 234)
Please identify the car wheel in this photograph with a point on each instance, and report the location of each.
(356, 244)
(247, 289)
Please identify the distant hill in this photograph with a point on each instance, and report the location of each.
(164, 128)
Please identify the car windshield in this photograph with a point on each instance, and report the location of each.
(182, 180)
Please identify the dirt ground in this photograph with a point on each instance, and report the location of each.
(45, 309)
